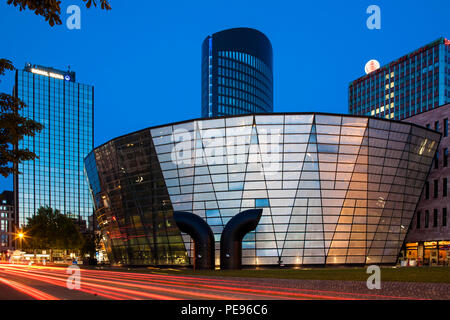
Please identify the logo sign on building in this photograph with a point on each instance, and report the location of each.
(371, 66)
(47, 74)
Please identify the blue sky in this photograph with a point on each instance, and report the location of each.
(143, 57)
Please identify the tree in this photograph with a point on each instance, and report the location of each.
(13, 128)
(50, 229)
(50, 9)
(91, 243)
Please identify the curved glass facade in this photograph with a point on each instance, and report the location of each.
(237, 76)
(133, 207)
(334, 189)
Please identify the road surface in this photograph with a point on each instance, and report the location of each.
(51, 283)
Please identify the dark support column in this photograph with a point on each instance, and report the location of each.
(202, 235)
(232, 235)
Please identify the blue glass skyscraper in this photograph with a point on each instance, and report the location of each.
(237, 73)
(65, 108)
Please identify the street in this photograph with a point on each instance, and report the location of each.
(19, 282)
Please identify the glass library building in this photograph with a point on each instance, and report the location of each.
(293, 189)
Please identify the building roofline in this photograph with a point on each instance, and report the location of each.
(258, 114)
(422, 112)
(237, 29)
(408, 55)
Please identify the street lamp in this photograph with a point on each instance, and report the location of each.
(21, 237)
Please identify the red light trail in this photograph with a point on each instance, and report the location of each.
(116, 285)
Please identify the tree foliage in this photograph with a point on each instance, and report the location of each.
(91, 243)
(13, 128)
(51, 9)
(50, 229)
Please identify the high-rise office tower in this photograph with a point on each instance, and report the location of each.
(65, 109)
(237, 73)
(414, 83)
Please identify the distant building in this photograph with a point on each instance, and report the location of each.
(237, 73)
(56, 178)
(428, 239)
(412, 84)
(7, 221)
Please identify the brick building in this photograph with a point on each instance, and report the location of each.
(428, 238)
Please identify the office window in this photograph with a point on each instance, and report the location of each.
(427, 190)
(436, 187)
(435, 218)
(418, 220)
(427, 218)
(444, 187)
(444, 217)
(445, 127)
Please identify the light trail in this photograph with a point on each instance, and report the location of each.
(62, 283)
(87, 280)
(129, 285)
(32, 292)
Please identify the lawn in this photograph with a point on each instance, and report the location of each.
(411, 274)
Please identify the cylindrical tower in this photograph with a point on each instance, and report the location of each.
(237, 73)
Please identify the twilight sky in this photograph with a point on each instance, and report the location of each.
(143, 57)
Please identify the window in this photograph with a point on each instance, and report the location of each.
(445, 157)
(435, 218)
(445, 127)
(418, 220)
(427, 218)
(428, 126)
(261, 203)
(444, 217)
(436, 188)
(427, 190)
(436, 126)
(436, 160)
(444, 187)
